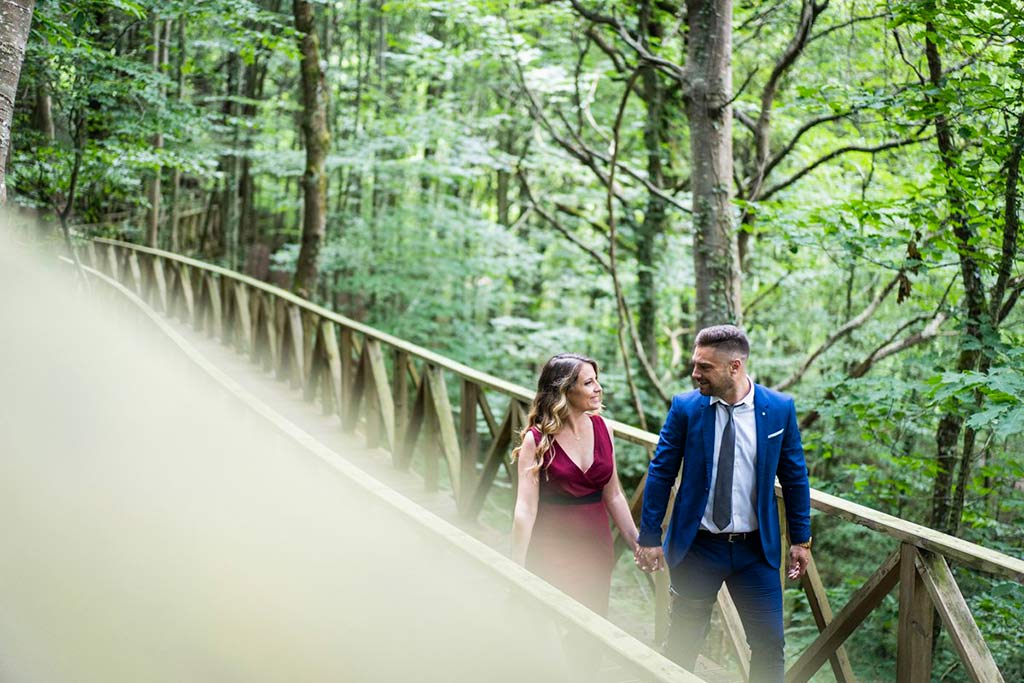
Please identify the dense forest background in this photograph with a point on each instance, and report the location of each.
(503, 180)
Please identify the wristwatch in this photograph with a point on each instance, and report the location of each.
(806, 544)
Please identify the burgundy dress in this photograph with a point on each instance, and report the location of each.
(571, 545)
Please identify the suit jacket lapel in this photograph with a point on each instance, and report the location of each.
(761, 419)
(709, 438)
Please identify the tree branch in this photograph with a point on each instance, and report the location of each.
(848, 22)
(809, 12)
(872, 149)
(895, 346)
(848, 327)
(1015, 287)
(557, 225)
(617, 58)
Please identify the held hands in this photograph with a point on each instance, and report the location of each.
(649, 559)
(799, 559)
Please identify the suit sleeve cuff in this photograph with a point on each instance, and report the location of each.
(649, 539)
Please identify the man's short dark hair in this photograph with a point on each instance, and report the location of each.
(728, 338)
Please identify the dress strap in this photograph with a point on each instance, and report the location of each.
(536, 435)
(602, 435)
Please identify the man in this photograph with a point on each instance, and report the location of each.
(732, 438)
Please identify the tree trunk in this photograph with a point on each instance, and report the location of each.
(15, 20)
(179, 71)
(653, 225)
(317, 138)
(153, 186)
(42, 116)
(947, 508)
(230, 163)
(716, 267)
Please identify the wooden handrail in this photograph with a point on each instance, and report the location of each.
(964, 552)
(408, 403)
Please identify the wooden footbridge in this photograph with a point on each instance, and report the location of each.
(438, 435)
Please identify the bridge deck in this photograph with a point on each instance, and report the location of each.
(158, 528)
(289, 402)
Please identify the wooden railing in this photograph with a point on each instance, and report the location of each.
(458, 426)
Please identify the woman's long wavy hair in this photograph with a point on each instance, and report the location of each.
(550, 407)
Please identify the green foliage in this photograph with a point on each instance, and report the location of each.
(437, 150)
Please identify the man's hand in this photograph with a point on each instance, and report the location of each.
(799, 559)
(649, 559)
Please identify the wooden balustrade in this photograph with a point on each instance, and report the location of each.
(459, 425)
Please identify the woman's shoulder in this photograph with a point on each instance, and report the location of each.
(535, 432)
(600, 423)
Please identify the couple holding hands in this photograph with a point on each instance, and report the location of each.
(730, 438)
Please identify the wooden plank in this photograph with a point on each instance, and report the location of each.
(469, 438)
(264, 349)
(956, 615)
(160, 282)
(187, 297)
(485, 410)
(861, 603)
(734, 632)
(136, 273)
(519, 417)
(112, 267)
(243, 318)
(417, 417)
(817, 598)
(316, 366)
(449, 441)
(332, 356)
(916, 616)
(293, 324)
(216, 319)
(963, 552)
(400, 397)
(384, 403)
(347, 376)
(495, 457)
(357, 392)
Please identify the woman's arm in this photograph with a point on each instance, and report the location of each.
(616, 504)
(527, 497)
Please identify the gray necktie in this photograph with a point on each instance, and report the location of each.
(721, 513)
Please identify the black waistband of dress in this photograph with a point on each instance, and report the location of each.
(561, 499)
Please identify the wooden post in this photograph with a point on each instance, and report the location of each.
(400, 397)
(914, 639)
(957, 618)
(383, 403)
(817, 598)
(347, 376)
(161, 283)
(469, 440)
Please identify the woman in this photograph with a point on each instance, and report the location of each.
(568, 485)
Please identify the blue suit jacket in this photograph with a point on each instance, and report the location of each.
(688, 439)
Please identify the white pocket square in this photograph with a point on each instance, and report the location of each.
(775, 434)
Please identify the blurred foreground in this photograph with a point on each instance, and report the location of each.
(155, 529)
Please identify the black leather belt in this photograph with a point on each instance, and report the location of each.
(560, 499)
(728, 537)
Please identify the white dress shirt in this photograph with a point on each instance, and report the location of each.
(744, 492)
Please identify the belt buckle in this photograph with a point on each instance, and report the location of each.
(733, 537)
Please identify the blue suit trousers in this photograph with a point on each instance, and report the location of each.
(755, 587)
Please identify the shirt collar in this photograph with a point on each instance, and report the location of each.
(747, 400)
